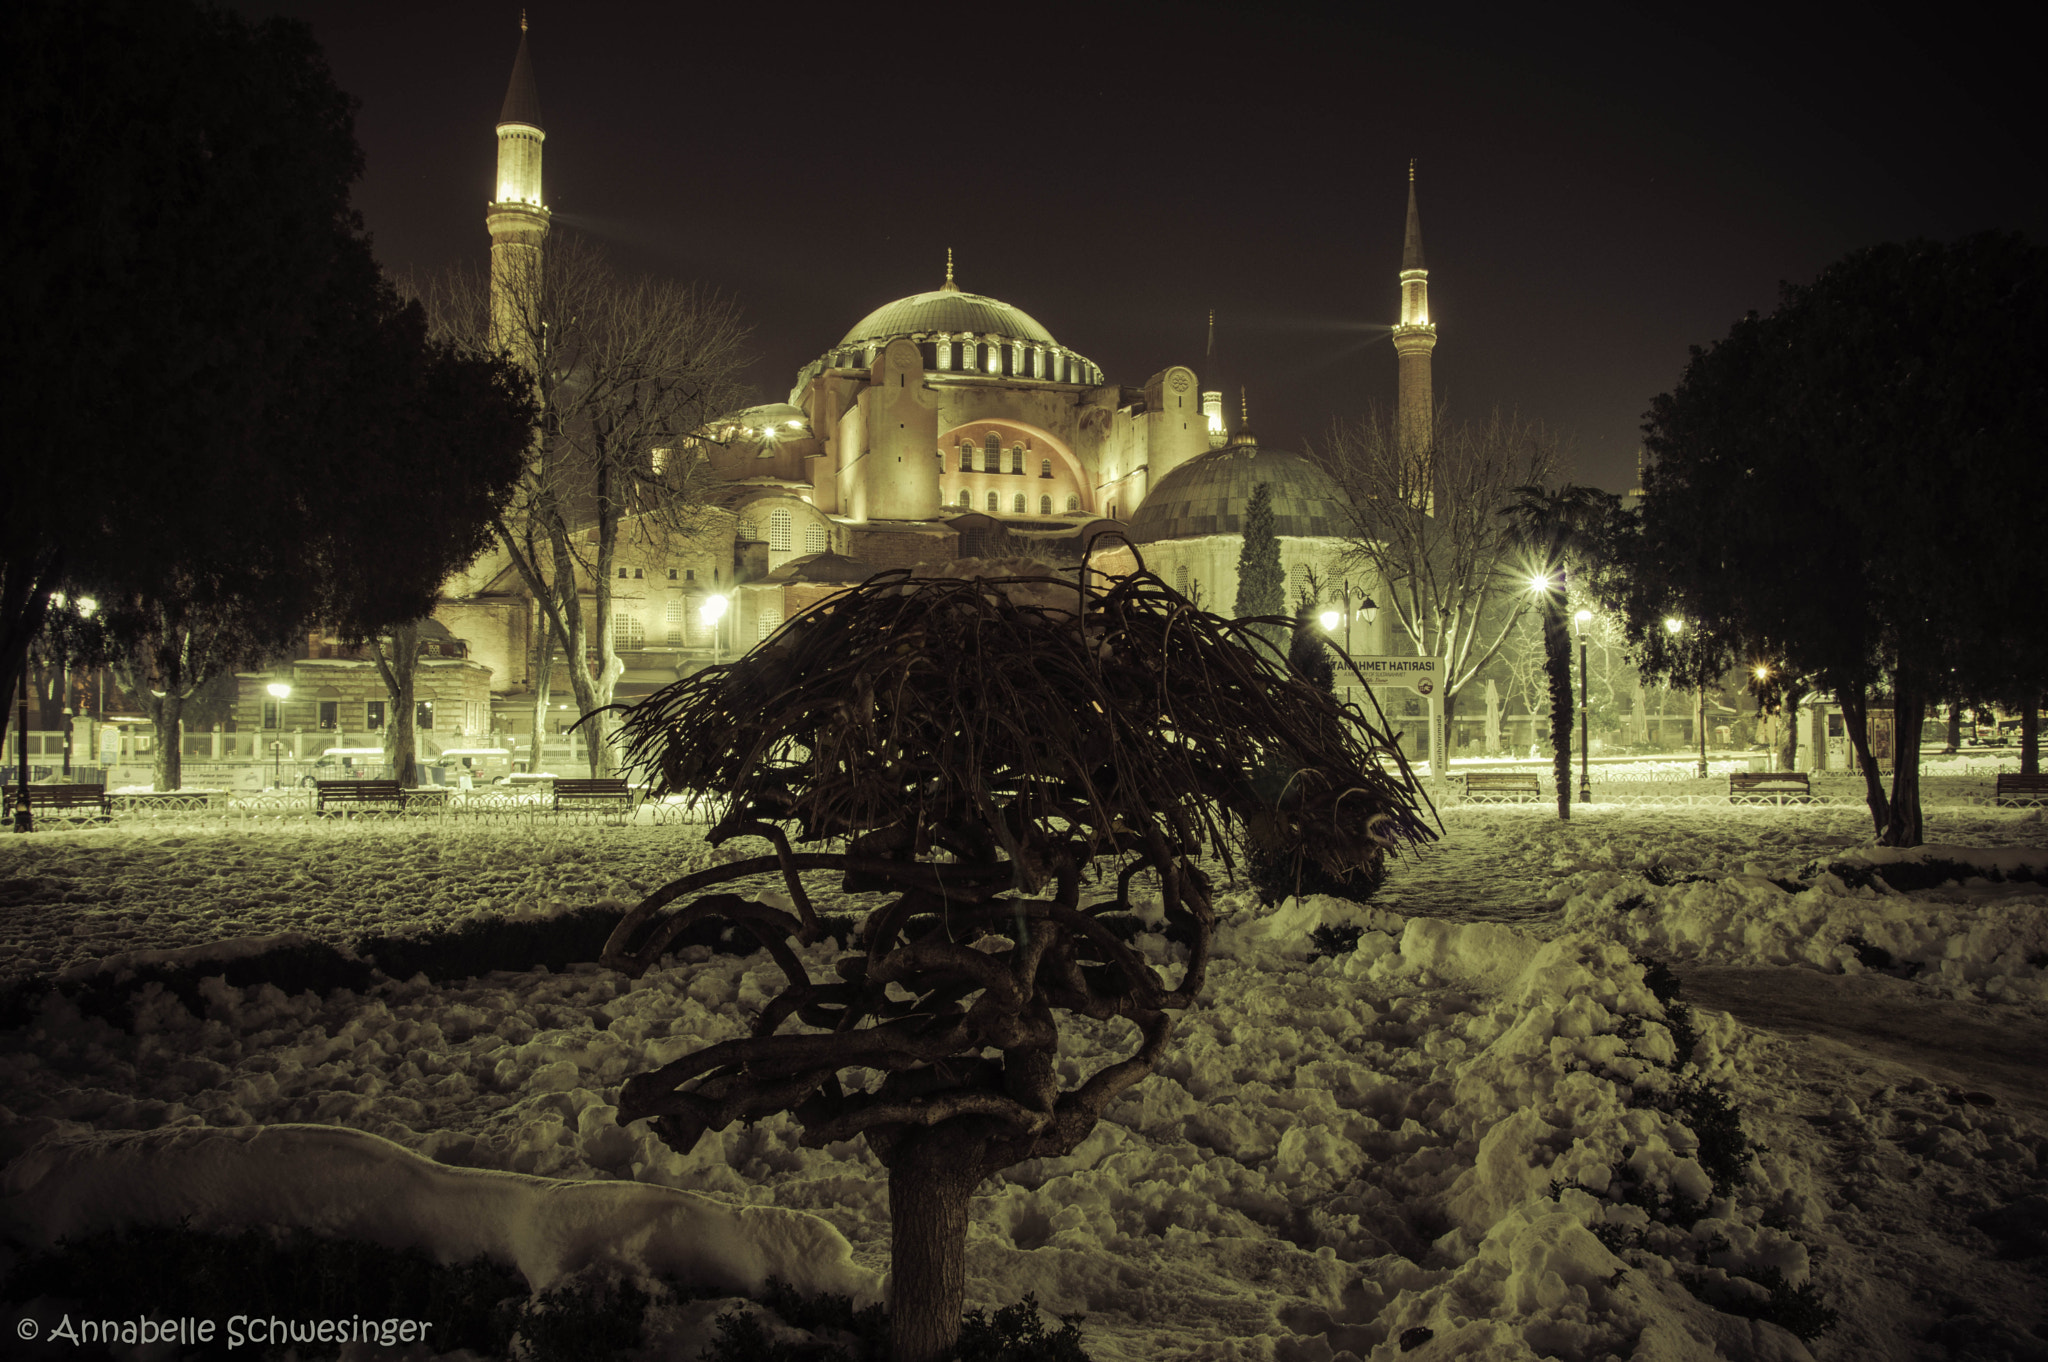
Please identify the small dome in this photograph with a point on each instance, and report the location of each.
(951, 311)
(1208, 495)
(830, 568)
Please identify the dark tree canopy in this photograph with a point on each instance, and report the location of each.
(1811, 473)
(195, 314)
(999, 756)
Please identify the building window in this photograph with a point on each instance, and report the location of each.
(966, 499)
(814, 538)
(1297, 582)
(778, 529)
(639, 575)
(270, 713)
(992, 454)
(966, 457)
(1017, 504)
(767, 620)
(1016, 458)
(622, 574)
(744, 532)
(994, 502)
(675, 622)
(423, 714)
(1180, 579)
(628, 630)
(330, 715)
(1073, 503)
(671, 574)
(1045, 505)
(967, 356)
(689, 574)
(1045, 468)
(373, 717)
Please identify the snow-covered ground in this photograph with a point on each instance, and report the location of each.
(1415, 1149)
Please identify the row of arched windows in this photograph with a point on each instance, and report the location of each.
(992, 457)
(1017, 503)
(781, 532)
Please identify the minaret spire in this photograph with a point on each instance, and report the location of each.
(1212, 392)
(517, 217)
(1414, 339)
(949, 286)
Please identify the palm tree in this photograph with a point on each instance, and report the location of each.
(1561, 529)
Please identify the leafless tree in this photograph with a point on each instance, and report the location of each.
(1432, 531)
(629, 372)
(982, 749)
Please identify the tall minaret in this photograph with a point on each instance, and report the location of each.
(517, 220)
(1414, 336)
(1212, 391)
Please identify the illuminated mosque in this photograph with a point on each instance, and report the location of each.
(943, 425)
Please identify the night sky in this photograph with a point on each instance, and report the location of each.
(1600, 187)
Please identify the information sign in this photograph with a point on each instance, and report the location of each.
(1423, 675)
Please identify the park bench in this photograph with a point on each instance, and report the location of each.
(601, 794)
(1503, 787)
(1769, 787)
(2016, 790)
(380, 795)
(70, 801)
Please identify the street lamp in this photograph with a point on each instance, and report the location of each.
(1583, 620)
(1367, 607)
(279, 691)
(1674, 625)
(712, 611)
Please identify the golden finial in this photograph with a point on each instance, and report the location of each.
(949, 286)
(522, 19)
(1411, 170)
(1244, 408)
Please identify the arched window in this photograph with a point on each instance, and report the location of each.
(966, 456)
(779, 525)
(1180, 579)
(994, 502)
(1045, 505)
(992, 454)
(675, 621)
(744, 532)
(1297, 584)
(814, 538)
(966, 499)
(1017, 504)
(1073, 503)
(966, 356)
(1016, 458)
(767, 620)
(1045, 468)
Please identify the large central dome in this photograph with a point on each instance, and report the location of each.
(947, 310)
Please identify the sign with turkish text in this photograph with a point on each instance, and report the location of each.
(1420, 674)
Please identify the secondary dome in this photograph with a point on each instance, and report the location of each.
(1208, 495)
(947, 310)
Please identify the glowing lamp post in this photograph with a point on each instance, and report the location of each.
(713, 611)
(1675, 626)
(1330, 619)
(1584, 620)
(279, 691)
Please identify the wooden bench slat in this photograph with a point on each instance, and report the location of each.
(1503, 786)
(594, 790)
(61, 798)
(2015, 790)
(1769, 787)
(327, 792)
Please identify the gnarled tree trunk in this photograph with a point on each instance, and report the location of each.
(932, 1175)
(1856, 718)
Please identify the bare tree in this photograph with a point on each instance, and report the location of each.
(629, 373)
(1456, 576)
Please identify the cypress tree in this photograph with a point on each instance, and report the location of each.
(1261, 584)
